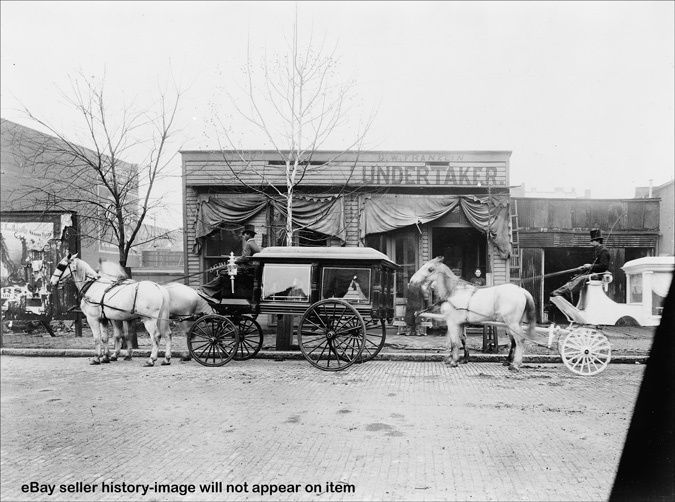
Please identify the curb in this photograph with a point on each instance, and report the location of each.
(292, 355)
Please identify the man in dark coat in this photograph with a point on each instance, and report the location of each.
(250, 245)
(601, 260)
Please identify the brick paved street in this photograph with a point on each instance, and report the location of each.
(393, 430)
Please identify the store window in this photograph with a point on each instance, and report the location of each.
(218, 246)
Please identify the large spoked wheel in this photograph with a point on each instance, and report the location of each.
(376, 333)
(213, 340)
(585, 351)
(332, 335)
(250, 339)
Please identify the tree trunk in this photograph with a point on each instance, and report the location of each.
(289, 217)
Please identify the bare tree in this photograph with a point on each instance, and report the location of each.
(112, 197)
(297, 104)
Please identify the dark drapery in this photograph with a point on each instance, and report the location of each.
(321, 214)
(382, 213)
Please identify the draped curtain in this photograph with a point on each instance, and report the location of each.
(321, 214)
(382, 213)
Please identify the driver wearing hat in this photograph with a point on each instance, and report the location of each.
(600, 264)
(250, 246)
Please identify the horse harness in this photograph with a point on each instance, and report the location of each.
(101, 302)
(440, 302)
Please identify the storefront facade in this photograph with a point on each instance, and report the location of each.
(410, 205)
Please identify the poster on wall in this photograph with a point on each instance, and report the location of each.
(23, 243)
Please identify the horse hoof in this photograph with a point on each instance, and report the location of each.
(513, 368)
(166, 363)
(94, 361)
(105, 360)
(453, 364)
(506, 363)
(127, 358)
(113, 359)
(465, 361)
(148, 364)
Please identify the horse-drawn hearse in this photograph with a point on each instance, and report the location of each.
(344, 295)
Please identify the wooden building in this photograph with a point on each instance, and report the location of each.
(410, 205)
(553, 235)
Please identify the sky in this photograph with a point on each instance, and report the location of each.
(581, 93)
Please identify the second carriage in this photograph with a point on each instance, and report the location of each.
(343, 296)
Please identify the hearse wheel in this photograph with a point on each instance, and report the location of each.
(332, 335)
(212, 340)
(585, 351)
(250, 338)
(376, 333)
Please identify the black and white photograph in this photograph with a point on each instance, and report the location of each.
(337, 251)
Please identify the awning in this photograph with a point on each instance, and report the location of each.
(386, 212)
(317, 213)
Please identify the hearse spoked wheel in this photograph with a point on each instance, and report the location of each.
(250, 338)
(376, 333)
(586, 351)
(332, 335)
(213, 340)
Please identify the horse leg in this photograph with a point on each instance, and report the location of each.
(117, 337)
(104, 342)
(454, 341)
(96, 333)
(517, 338)
(465, 359)
(151, 328)
(127, 338)
(512, 348)
(167, 347)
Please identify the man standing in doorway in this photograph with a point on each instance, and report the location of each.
(600, 264)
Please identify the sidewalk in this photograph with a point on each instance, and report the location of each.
(629, 344)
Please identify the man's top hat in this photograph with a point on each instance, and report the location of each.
(250, 229)
(596, 235)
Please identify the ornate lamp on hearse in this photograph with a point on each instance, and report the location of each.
(232, 270)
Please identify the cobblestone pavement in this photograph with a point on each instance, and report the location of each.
(391, 430)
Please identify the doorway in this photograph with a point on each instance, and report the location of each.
(464, 250)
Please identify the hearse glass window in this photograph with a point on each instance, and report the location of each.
(217, 249)
(286, 283)
(351, 284)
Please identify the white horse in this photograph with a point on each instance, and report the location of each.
(105, 299)
(463, 303)
(184, 302)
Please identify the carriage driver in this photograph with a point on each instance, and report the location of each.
(215, 287)
(600, 264)
(250, 246)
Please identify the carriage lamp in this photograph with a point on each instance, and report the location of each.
(232, 270)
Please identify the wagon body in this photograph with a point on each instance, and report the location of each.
(344, 295)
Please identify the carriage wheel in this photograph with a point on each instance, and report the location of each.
(585, 351)
(332, 335)
(212, 340)
(376, 333)
(250, 339)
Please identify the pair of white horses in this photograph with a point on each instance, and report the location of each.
(462, 303)
(107, 296)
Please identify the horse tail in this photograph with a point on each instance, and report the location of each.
(530, 315)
